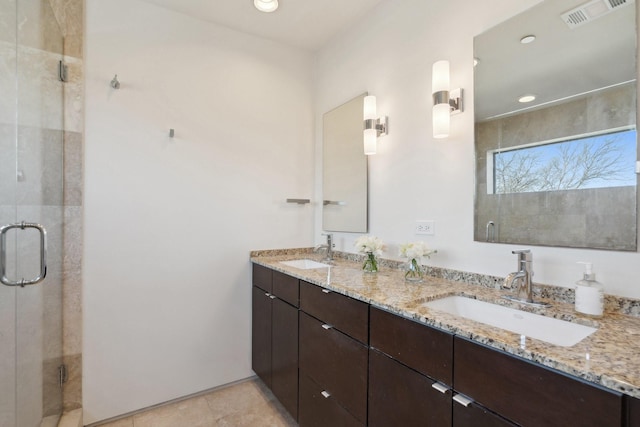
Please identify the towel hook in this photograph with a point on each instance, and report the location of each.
(115, 83)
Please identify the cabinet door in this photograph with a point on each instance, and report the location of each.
(425, 349)
(335, 362)
(475, 415)
(530, 394)
(261, 335)
(399, 396)
(633, 407)
(321, 410)
(262, 277)
(346, 314)
(284, 355)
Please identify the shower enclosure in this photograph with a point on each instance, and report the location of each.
(31, 193)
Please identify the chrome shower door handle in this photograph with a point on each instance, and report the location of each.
(3, 254)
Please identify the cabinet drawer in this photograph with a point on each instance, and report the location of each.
(399, 396)
(285, 287)
(346, 314)
(425, 349)
(316, 410)
(262, 277)
(336, 362)
(530, 394)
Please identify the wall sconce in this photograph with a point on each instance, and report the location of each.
(445, 103)
(373, 126)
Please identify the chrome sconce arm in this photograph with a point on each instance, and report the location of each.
(379, 124)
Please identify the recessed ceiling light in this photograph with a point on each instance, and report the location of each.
(528, 39)
(266, 5)
(526, 98)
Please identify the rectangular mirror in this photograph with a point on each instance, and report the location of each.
(555, 127)
(344, 169)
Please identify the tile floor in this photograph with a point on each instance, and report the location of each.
(245, 404)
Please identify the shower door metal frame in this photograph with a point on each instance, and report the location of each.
(32, 197)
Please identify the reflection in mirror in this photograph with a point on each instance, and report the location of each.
(344, 169)
(560, 169)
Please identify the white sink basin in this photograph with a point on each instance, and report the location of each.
(304, 264)
(554, 331)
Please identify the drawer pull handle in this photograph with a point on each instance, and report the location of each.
(325, 394)
(463, 400)
(326, 291)
(440, 387)
(327, 326)
(273, 296)
(267, 294)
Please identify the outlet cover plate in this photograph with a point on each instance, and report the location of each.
(427, 227)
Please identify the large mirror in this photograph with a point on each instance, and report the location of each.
(344, 169)
(560, 168)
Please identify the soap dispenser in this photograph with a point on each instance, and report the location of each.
(589, 293)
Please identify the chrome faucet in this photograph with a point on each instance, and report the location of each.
(327, 246)
(523, 278)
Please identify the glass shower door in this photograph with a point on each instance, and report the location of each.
(31, 192)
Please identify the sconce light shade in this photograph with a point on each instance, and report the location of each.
(443, 104)
(373, 126)
(441, 120)
(370, 141)
(440, 77)
(370, 108)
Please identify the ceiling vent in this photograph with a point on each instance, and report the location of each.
(592, 10)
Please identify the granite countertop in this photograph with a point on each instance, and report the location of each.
(609, 357)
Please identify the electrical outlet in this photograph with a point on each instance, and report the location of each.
(426, 227)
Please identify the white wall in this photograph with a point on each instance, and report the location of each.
(169, 223)
(414, 176)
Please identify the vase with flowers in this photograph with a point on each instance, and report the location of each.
(372, 248)
(414, 253)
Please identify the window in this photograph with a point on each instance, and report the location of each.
(600, 160)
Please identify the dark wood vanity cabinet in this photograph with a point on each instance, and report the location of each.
(261, 335)
(400, 396)
(423, 348)
(335, 361)
(632, 412)
(346, 314)
(422, 376)
(530, 394)
(406, 361)
(410, 372)
(284, 355)
(317, 410)
(274, 354)
(333, 358)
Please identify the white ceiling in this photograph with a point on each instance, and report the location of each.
(307, 24)
(561, 63)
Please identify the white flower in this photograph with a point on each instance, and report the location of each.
(366, 244)
(415, 250)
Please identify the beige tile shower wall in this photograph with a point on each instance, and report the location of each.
(517, 214)
(70, 15)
